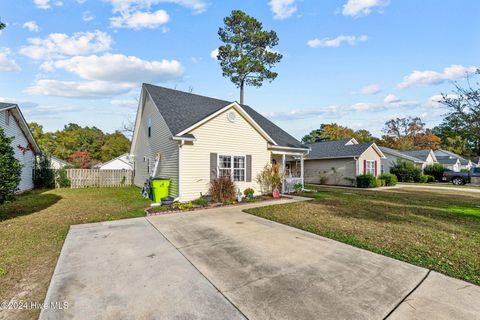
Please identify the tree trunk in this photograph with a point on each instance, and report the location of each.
(241, 92)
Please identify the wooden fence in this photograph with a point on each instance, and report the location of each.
(84, 178)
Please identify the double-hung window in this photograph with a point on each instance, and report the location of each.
(232, 166)
(370, 167)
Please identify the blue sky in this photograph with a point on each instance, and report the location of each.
(354, 62)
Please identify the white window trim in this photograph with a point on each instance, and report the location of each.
(372, 162)
(232, 168)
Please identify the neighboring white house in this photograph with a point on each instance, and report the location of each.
(448, 157)
(192, 139)
(393, 156)
(339, 162)
(57, 163)
(123, 162)
(426, 155)
(26, 148)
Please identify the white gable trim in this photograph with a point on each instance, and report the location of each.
(17, 114)
(240, 110)
(377, 149)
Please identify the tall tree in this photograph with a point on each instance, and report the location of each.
(461, 127)
(333, 131)
(408, 133)
(2, 25)
(247, 55)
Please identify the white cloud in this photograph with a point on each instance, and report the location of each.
(126, 6)
(87, 16)
(124, 103)
(282, 9)
(356, 8)
(78, 89)
(31, 26)
(139, 20)
(46, 4)
(428, 77)
(58, 45)
(214, 54)
(434, 101)
(8, 64)
(118, 68)
(336, 42)
(391, 98)
(371, 89)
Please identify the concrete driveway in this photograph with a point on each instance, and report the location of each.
(226, 264)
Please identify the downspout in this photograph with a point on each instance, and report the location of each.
(179, 171)
(356, 166)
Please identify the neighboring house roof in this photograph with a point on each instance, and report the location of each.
(339, 149)
(182, 110)
(441, 153)
(399, 154)
(419, 154)
(17, 114)
(60, 160)
(123, 158)
(447, 160)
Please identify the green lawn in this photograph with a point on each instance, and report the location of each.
(34, 227)
(443, 184)
(435, 229)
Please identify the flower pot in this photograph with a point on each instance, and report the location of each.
(276, 193)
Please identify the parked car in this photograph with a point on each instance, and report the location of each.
(460, 178)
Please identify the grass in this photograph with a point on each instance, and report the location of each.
(33, 229)
(435, 229)
(442, 184)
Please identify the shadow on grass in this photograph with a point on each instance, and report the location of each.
(28, 203)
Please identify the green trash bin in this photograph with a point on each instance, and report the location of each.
(159, 188)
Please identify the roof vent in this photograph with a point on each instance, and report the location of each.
(231, 116)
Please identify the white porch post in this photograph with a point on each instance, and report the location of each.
(283, 171)
(301, 170)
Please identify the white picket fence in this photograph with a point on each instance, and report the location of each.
(85, 178)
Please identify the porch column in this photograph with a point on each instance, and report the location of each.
(301, 170)
(283, 170)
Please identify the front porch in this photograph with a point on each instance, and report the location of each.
(292, 166)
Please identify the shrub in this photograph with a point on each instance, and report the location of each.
(436, 170)
(298, 187)
(366, 181)
(43, 176)
(380, 183)
(62, 179)
(269, 178)
(182, 206)
(390, 179)
(222, 189)
(10, 169)
(249, 192)
(464, 170)
(406, 171)
(426, 179)
(201, 202)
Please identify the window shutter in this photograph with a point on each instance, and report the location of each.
(248, 177)
(375, 168)
(364, 166)
(213, 166)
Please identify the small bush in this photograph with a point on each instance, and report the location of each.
(201, 202)
(366, 181)
(62, 179)
(182, 206)
(249, 192)
(390, 179)
(298, 187)
(270, 178)
(10, 169)
(381, 183)
(222, 189)
(406, 171)
(436, 170)
(426, 179)
(43, 176)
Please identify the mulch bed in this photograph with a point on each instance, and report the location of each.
(150, 211)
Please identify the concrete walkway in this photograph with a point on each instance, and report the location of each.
(227, 264)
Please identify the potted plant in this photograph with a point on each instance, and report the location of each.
(276, 180)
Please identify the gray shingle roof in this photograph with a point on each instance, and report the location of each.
(420, 154)
(399, 154)
(447, 160)
(182, 110)
(4, 105)
(336, 149)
